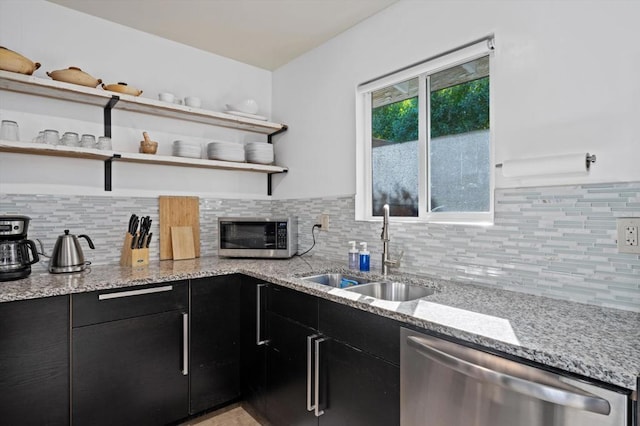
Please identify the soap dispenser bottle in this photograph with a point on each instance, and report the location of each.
(365, 257)
(353, 256)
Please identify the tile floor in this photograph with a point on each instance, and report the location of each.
(233, 415)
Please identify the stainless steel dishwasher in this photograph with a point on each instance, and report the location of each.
(446, 384)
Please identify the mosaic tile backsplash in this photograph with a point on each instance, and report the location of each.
(558, 242)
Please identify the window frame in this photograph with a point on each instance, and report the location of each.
(423, 70)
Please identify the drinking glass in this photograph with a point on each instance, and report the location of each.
(104, 142)
(40, 137)
(9, 131)
(88, 141)
(70, 139)
(51, 137)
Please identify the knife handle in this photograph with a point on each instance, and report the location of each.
(146, 244)
(134, 240)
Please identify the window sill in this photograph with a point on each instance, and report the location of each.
(477, 219)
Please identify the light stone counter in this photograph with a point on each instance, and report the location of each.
(595, 342)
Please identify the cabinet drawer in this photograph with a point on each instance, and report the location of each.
(364, 330)
(115, 304)
(292, 304)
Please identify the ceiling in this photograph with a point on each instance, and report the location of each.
(263, 33)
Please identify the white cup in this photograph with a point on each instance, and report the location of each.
(9, 131)
(70, 139)
(104, 142)
(192, 101)
(166, 97)
(88, 141)
(40, 137)
(51, 137)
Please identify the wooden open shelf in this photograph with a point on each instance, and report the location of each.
(129, 157)
(31, 85)
(71, 92)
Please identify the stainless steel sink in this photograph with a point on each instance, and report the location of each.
(336, 280)
(395, 291)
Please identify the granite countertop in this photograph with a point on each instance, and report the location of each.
(596, 342)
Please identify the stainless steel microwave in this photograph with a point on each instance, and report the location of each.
(257, 237)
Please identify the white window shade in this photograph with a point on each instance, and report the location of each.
(444, 60)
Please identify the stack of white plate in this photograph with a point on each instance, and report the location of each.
(185, 149)
(225, 151)
(259, 152)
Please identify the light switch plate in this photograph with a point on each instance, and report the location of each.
(628, 235)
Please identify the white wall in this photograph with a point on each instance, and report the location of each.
(58, 38)
(565, 79)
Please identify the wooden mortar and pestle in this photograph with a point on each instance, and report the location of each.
(147, 146)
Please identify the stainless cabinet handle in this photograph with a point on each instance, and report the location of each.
(185, 344)
(576, 399)
(310, 405)
(317, 411)
(259, 342)
(130, 293)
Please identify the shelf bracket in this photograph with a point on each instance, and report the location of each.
(107, 115)
(270, 140)
(107, 171)
(277, 132)
(269, 188)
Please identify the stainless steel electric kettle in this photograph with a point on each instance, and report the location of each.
(67, 254)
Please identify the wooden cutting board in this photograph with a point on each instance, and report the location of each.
(182, 243)
(178, 211)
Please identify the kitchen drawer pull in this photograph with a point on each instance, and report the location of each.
(310, 405)
(128, 293)
(555, 394)
(317, 411)
(185, 344)
(259, 342)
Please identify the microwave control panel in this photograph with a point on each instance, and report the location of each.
(281, 235)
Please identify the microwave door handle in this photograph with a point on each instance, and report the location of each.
(579, 399)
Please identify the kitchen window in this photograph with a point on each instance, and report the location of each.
(424, 140)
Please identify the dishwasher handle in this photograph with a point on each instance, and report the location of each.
(576, 399)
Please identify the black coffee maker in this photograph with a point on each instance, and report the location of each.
(17, 253)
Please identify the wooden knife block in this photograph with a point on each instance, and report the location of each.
(133, 257)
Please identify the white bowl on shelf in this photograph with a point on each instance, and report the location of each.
(248, 106)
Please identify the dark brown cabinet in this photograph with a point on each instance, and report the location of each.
(215, 341)
(355, 379)
(34, 362)
(253, 361)
(360, 380)
(129, 349)
(360, 389)
(286, 397)
(155, 354)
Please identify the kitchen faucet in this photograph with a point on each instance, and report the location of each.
(386, 261)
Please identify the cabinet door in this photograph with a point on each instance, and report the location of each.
(215, 341)
(372, 333)
(129, 371)
(287, 373)
(292, 304)
(253, 355)
(34, 362)
(358, 388)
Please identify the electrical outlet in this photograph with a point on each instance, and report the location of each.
(629, 235)
(323, 220)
